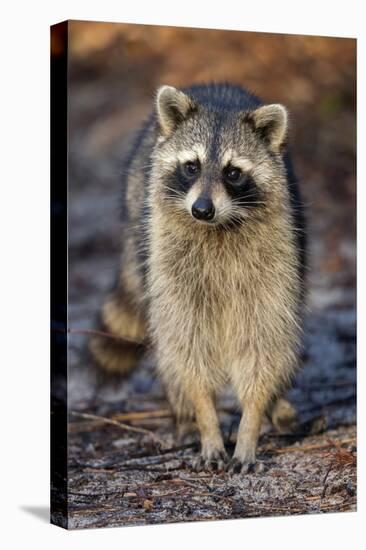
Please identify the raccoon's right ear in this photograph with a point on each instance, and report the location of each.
(172, 106)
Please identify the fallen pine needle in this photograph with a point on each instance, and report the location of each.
(305, 448)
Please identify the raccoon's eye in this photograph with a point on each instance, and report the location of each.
(232, 174)
(192, 168)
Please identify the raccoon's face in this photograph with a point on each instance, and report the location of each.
(219, 166)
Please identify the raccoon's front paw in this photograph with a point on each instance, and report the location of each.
(214, 460)
(237, 466)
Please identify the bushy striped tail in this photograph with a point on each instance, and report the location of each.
(121, 341)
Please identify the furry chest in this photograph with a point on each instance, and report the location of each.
(216, 304)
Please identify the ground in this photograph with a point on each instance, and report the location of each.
(125, 464)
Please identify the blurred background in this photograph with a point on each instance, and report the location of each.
(114, 70)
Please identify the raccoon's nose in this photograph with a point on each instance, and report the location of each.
(203, 209)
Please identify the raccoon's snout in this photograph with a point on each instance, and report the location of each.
(203, 209)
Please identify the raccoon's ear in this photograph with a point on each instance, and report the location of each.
(172, 107)
(271, 123)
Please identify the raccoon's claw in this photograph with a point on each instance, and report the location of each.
(236, 466)
(215, 462)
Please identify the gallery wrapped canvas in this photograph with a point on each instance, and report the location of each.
(203, 274)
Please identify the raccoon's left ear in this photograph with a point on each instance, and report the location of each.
(271, 123)
(172, 106)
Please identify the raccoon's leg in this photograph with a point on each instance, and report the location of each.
(255, 384)
(182, 411)
(282, 415)
(192, 400)
(120, 318)
(244, 458)
(213, 454)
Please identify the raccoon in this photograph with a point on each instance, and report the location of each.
(212, 270)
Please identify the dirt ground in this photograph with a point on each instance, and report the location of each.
(125, 466)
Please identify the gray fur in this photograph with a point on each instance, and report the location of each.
(222, 301)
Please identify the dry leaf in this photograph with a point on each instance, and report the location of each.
(148, 504)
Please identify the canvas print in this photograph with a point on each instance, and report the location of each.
(203, 274)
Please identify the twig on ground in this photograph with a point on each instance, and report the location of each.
(126, 427)
(100, 333)
(325, 486)
(143, 415)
